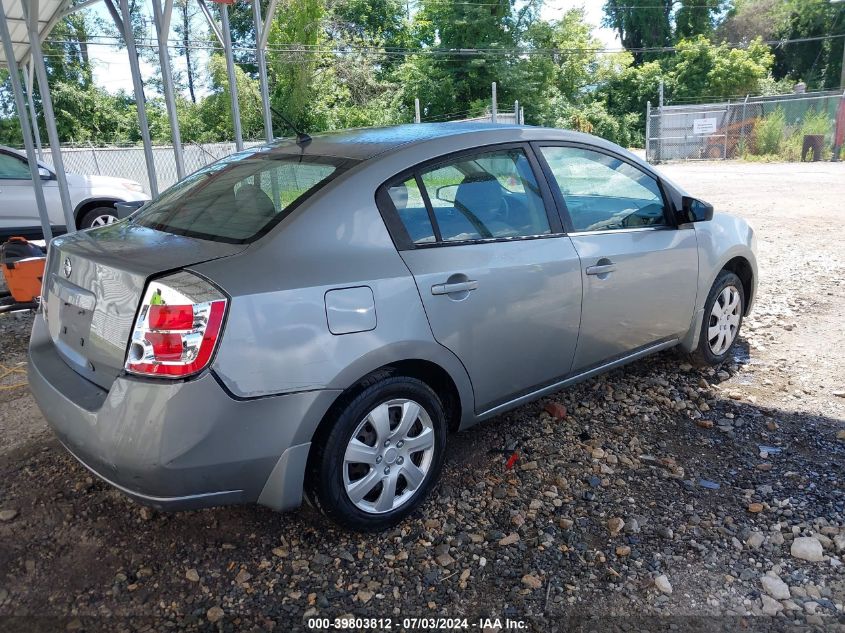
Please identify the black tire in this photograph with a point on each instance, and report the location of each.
(704, 354)
(325, 485)
(87, 219)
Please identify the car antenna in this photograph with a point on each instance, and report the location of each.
(302, 138)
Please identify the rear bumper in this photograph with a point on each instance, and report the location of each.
(178, 445)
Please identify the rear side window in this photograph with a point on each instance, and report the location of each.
(239, 198)
(491, 195)
(410, 206)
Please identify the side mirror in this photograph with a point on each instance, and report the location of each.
(45, 174)
(694, 210)
(125, 209)
(446, 193)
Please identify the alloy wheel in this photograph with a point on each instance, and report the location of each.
(103, 220)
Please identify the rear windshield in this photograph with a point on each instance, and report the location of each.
(240, 198)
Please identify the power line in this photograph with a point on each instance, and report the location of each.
(457, 53)
(448, 3)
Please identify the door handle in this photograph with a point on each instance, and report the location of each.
(461, 286)
(601, 269)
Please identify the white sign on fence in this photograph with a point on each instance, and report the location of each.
(704, 126)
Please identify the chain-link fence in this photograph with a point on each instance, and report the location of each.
(127, 161)
(791, 127)
(502, 118)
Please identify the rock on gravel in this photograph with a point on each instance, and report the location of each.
(532, 581)
(755, 540)
(771, 606)
(663, 585)
(214, 614)
(775, 587)
(8, 515)
(615, 525)
(807, 548)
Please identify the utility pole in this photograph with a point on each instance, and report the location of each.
(842, 74)
(494, 108)
(416, 110)
(660, 121)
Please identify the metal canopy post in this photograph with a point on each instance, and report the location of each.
(29, 80)
(162, 25)
(14, 76)
(230, 71)
(262, 67)
(37, 56)
(124, 25)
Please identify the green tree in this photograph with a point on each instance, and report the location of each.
(696, 17)
(550, 82)
(295, 32)
(659, 23)
(216, 109)
(644, 26)
(701, 70)
(817, 62)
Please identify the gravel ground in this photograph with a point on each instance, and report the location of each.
(666, 498)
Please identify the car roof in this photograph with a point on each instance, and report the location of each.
(365, 143)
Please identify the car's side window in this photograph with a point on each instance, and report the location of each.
(604, 193)
(13, 168)
(490, 195)
(411, 209)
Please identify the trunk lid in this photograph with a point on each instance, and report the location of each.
(94, 282)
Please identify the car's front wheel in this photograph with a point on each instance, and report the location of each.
(381, 456)
(100, 216)
(722, 319)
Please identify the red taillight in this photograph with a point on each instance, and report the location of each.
(171, 317)
(166, 345)
(176, 335)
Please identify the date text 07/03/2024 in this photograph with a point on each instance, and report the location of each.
(410, 624)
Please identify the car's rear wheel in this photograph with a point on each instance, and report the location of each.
(381, 456)
(99, 216)
(722, 319)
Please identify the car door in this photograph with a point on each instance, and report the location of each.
(639, 269)
(499, 279)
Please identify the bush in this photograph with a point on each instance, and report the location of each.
(769, 133)
(594, 118)
(775, 140)
(816, 123)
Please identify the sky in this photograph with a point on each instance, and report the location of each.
(111, 69)
(553, 9)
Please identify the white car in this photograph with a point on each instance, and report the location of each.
(93, 197)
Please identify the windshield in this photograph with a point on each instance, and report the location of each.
(240, 198)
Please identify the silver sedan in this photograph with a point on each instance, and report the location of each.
(316, 316)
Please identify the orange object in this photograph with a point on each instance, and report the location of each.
(24, 278)
(23, 268)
